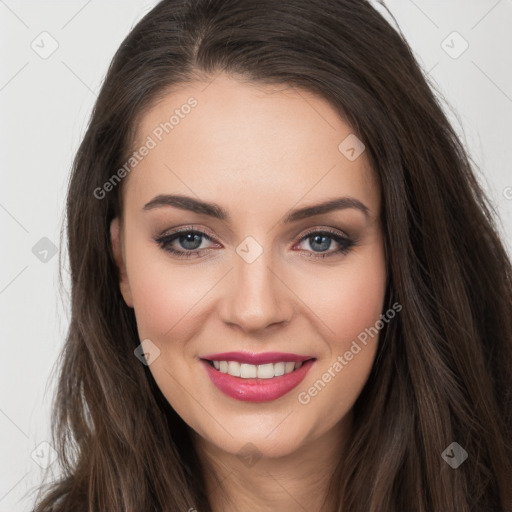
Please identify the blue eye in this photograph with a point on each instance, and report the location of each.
(322, 240)
(190, 241)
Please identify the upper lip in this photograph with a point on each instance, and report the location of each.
(257, 358)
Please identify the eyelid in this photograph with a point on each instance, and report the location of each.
(187, 229)
(333, 231)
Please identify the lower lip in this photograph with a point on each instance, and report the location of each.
(257, 390)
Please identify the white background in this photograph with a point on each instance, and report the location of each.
(45, 105)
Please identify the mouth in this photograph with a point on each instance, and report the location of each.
(274, 376)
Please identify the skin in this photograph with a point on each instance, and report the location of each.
(258, 151)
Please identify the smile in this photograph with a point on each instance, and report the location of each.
(238, 376)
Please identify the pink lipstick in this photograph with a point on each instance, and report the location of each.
(256, 377)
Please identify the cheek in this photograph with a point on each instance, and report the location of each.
(163, 294)
(348, 307)
(347, 299)
(359, 304)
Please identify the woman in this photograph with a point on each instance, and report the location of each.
(288, 291)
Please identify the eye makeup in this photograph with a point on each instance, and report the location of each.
(193, 236)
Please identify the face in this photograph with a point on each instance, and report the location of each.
(257, 272)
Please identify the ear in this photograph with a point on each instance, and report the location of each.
(117, 250)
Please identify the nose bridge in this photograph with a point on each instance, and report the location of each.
(257, 297)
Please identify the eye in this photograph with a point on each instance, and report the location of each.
(321, 241)
(188, 242)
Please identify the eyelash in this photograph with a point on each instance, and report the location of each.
(164, 242)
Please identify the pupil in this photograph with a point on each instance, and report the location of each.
(324, 245)
(190, 238)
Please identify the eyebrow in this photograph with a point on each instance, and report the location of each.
(217, 212)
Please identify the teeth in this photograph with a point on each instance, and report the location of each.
(279, 369)
(247, 371)
(251, 371)
(234, 368)
(265, 371)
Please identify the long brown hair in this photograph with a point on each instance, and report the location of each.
(443, 370)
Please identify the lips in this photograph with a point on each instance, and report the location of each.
(257, 389)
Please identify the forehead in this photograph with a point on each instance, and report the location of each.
(247, 143)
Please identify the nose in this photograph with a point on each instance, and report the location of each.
(256, 297)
